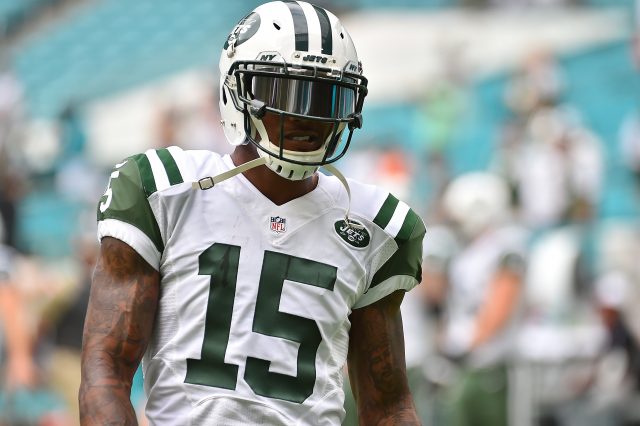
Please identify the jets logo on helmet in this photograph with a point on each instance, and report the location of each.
(245, 29)
(295, 60)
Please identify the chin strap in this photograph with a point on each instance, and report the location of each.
(209, 182)
(344, 182)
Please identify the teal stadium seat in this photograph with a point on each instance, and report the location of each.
(117, 44)
(14, 12)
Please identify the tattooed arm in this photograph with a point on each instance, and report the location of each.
(377, 369)
(122, 307)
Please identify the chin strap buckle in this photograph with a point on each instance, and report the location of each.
(210, 181)
(356, 121)
(204, 183)
(257, 108)
(352, 224)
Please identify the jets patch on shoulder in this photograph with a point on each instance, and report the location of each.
(356, 236)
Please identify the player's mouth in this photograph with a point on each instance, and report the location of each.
(305, 138)
(307, 141)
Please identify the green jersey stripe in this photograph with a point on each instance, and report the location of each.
(407, 260)
(407, 226)
(386, 211)
(170, 166)
(126, 199)
(146, 174)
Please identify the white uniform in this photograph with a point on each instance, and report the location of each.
(252, 326)
(7, 258)
(471, 274)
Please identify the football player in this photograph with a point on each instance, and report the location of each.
(244, 283)
(19, 370)
(485, 287)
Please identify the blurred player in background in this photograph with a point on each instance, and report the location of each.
(485, 289)
(19, 369)
(24, 397)
(245, 282)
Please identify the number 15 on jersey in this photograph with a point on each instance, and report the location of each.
(221, 262)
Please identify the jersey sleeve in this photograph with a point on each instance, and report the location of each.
(402, 269)
(124, 211)
(6, 264)
(513, 256)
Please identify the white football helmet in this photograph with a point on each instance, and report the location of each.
(477, 201)
(291, 59)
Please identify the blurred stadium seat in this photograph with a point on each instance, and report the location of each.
(116, 44)
(15, 12)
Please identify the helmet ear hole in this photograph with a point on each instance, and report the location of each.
(224, 96)
(276, 25)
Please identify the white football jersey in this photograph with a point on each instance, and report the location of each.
(253, 319)
(472, 272)
(7, 260)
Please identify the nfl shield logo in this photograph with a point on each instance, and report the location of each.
(278, 224)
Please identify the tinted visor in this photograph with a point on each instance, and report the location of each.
(316, 98)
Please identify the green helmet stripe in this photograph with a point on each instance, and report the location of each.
(325, 29)
(170, 166)
(300, 25)
(386, 211)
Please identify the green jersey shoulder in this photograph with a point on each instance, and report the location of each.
(399, 259)
(131, 185)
